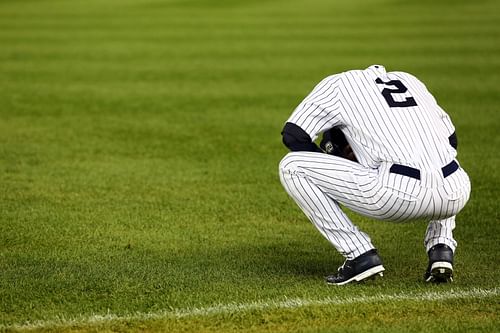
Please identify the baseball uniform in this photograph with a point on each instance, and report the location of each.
(405, 145)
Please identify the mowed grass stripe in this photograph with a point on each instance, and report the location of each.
(233, 308)
(187, 34)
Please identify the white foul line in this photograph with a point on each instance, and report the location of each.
(291, 303)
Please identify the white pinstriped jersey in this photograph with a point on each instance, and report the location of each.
(386, 117)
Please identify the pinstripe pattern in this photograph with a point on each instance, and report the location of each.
(380, 135)
(415, 136)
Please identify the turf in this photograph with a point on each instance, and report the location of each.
(139, 144)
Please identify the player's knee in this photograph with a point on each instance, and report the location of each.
(290, 163)
(287, 168)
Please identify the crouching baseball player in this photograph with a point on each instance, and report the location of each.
(388, 152)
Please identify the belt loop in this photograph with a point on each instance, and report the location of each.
(449, 168)
(405, 171)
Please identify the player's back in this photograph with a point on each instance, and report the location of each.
(392, 117)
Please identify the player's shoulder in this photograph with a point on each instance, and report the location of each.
(405, 75)
(328, 83)
(333, 78)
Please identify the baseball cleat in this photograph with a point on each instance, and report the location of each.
(366, 266)
(440, 268)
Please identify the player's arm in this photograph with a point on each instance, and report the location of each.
(312, 117)
(453, 140)
(296, 139)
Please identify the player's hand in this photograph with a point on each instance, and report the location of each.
(335, 143)
(349, 154)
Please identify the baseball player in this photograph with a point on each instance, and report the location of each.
(388, 151)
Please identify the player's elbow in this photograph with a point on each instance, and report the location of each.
(288, 140)
(453, 140)
(294, 137)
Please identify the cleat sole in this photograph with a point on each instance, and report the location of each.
(441, 272)
(368, 274)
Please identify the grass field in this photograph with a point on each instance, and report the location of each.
(139, 144)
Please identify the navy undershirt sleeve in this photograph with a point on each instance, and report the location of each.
(296, 139)
(453, 140)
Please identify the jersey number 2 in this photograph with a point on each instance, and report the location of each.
(400, 89)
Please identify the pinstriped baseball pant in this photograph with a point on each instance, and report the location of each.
(319, 183)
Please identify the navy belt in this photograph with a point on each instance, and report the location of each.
(415, 173)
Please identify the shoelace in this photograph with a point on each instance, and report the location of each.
(341, 267)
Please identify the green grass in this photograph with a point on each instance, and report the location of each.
(139, 144)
